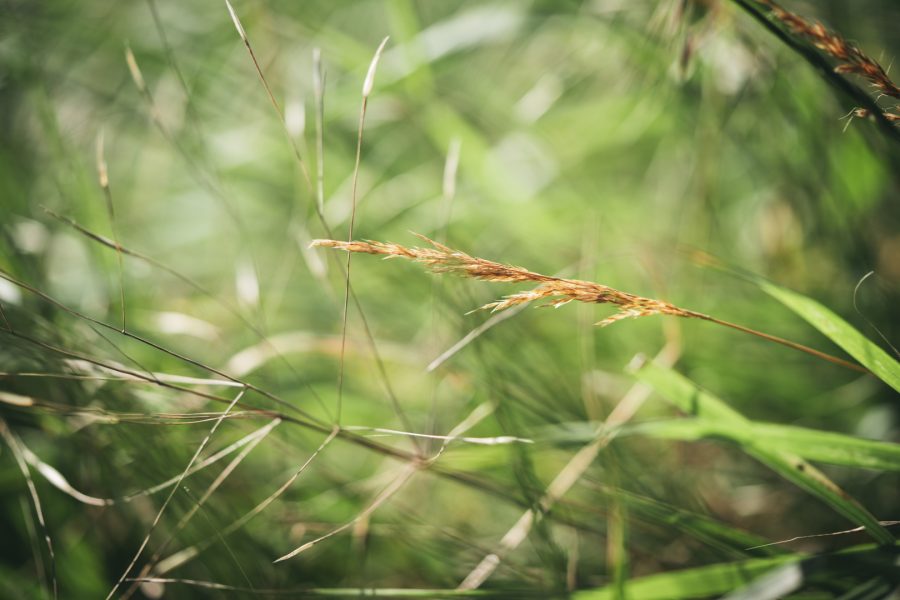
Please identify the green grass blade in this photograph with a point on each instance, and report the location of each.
(823, 446)
(687, 396)
(714, 580)
(684, 394)
(839, 331)
(694, 583)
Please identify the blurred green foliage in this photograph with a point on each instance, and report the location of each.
(605, 140)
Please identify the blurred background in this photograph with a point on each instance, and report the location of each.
(605, 140)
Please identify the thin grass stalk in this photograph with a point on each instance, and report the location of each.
(559, 291)
(368, 83)
(367, 88)
(866, 105)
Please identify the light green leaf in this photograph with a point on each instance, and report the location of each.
(839, 331)
(713, 580)
(689, 398)
(823, 446)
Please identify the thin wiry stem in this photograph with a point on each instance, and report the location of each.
(560, 291)
(265, 83)
(367, 89)
(181, 557)
(408, 471)
(165, 504)
(198, 504)
(103, 178)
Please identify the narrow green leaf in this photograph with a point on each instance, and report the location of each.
(701, 582)
(839, 331)
(713, 580)
(823, 446)
(685, 395)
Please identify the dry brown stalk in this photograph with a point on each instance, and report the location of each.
(851, 58)
(443, 259)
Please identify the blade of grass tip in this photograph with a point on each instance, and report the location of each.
(569, 475)
(392, 488)
(190, 109)
(246, 40)
(319, 93)
(141, 84)
(165, 504)
(321, 216)
(12, 441)
(368, 84)
(367, 89)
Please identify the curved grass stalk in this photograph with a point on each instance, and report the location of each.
(559, 291)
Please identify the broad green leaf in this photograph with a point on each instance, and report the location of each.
(841, 333)
(685, 395)
(823, 446)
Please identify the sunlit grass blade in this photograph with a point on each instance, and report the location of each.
(839, 331)
(713, 580)
(686, 396)
(823, 446)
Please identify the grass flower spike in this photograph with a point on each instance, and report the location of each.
(442, 259)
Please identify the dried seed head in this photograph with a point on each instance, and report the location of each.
(851, 59)
(559, 291)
